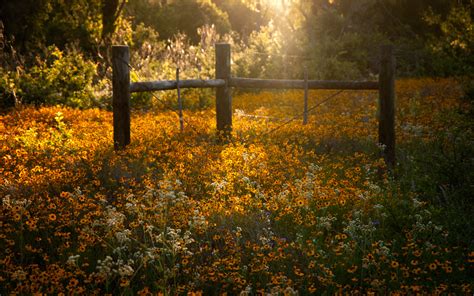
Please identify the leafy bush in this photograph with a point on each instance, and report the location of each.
(8, 89)
(62, 78)
(181, 16)
(263, 56)
(452, 46)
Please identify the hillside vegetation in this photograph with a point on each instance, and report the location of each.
(280, 209)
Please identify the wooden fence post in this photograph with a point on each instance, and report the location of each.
(223, 98)
(387, 104)
(305, 113)
(121, 95)
(180, 103)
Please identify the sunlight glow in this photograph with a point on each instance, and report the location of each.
(276, 4)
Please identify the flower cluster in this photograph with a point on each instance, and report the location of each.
(299, 210)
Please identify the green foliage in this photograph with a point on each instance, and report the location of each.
(8, 89)
(262, 57)
(443, 176)
(244, 26)
(35, 24)
(272, 53)
(58, 137)
(63, 78)
(346, 57)
(468, 86)
(180, 16)
(24, 21)
(453, 45)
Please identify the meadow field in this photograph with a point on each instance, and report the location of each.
(281, 209)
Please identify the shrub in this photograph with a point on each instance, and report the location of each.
(8, 89)
(64, 78)
(452, 45)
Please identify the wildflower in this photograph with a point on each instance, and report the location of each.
(145, 292)
(448, 269)
(275, 280)
(124, 282)
(352, 269)
(432, 266)
(298, 272)
(466, 288)
(52, 217)
(73, 282)
(31, 223)
(289, 292)
(19, 275)
(470, 256)
(72, 260)
(394, 264)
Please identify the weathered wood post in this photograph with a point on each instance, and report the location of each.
(387, 104)
(305, 114)
(121, 95)
(223, 98)
(180, 103)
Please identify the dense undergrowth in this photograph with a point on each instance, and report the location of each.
(281, 209)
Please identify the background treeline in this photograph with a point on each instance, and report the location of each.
(58, 51)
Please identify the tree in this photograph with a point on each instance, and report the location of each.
(243, 18)
(111, 10)
(23, 20)
(179, 16)
(454, 42)
(36, 24)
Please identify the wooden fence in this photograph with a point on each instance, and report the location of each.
(122, 88)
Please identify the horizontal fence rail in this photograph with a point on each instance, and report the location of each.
(172, 84)
(300, 84)
(252, 83)
(122, 88)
